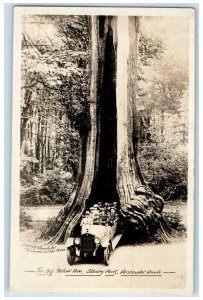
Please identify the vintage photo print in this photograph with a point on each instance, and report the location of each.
(102, 153)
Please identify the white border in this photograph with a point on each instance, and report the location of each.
(200, 103)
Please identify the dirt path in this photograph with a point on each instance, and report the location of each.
(142, 267)
(137, 267)
(40, 214)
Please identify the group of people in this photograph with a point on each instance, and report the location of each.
(101, 212)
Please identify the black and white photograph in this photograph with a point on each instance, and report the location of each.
(102, 150)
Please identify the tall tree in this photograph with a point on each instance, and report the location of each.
(109, 170)
(54, 90)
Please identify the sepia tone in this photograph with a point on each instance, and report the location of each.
(104, 138)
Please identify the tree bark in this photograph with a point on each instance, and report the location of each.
(25, 116)
(138, 204)
(69, 216)
(109, 169)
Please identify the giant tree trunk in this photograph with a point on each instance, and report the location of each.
(109, 170)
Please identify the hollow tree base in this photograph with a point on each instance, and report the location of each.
(110, 170)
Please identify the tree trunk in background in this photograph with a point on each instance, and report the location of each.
(38, 143)
(109, 170)
(24, 118)
(162, 125)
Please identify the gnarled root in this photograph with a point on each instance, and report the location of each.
(143, 214)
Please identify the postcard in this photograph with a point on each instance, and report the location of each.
(102, 150)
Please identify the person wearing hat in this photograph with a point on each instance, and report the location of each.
(100, 205)
(87, 213)
(102, 211)
(112, 210)
(94, 212)
(111, 217)
(115, 205)
(87, 219)
(112, 214)
(91, 209)
(96, 208)
(102, 214)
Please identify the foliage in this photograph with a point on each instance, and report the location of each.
(174, 226)
(165, 86)
(149, 49)
(162, 124)
(55, 111)
(54, 90)
(25, 220)
(165, 169)
(61, 64)
(47, 224)
(174, 219)
(48, 189)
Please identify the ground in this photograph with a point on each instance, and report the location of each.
(146, 266)
(40, 214)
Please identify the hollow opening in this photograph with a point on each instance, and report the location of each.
(104, 184)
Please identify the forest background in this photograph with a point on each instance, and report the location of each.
(54, 105)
